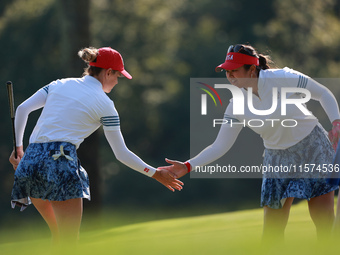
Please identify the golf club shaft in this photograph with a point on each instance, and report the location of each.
(12, 112)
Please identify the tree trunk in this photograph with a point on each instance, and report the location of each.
(75, 33)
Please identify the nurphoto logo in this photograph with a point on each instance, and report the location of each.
(238, 100)
(204, 97)
(279, 96)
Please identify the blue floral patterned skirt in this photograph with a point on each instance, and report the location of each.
(306, 166)
(50, 171)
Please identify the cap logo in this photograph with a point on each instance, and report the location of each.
(230, 57)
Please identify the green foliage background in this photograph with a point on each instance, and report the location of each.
(164, 44)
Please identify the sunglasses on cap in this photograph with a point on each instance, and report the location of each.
(236, 59)
(238, 48)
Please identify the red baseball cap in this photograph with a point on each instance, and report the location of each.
(235, 60)
(110, 58)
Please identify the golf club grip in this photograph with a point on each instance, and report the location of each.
(12, 113)
(10, 98)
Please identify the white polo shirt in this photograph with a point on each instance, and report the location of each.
(274, 134)
(74, 109)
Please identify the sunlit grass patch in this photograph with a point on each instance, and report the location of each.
(225, 233)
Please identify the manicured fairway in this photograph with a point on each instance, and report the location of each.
(229, 233)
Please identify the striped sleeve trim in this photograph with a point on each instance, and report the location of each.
(110, 121)
(228, 117)
(46, 88)
(302, 83)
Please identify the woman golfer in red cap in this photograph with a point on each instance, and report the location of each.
(302, 145)
(49, 173)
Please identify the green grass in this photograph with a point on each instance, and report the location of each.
(226, 233)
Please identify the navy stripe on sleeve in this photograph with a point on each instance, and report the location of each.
(302, 83)
(46, 88)
(110, 121)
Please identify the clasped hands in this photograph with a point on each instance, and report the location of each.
(167, 175)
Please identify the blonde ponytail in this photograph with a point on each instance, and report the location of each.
(88, 54)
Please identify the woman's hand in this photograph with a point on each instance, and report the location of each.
(334, 134)
(178, 168)
(168, 180)
(15, 161)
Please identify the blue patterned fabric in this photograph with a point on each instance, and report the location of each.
(40, 176)
(304, 183)
(334, 176)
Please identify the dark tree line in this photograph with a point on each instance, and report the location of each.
(164, 44)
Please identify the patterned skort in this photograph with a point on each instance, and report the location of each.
(307, 176)
(50, 171)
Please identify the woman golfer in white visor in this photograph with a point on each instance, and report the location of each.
(302, 145)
